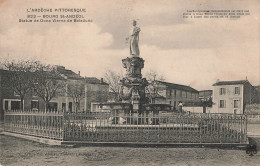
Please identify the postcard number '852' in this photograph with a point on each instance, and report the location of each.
(31, 16)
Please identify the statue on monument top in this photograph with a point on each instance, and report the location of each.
(134, 39)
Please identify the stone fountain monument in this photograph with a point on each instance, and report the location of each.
(132, 88)
(133, 105)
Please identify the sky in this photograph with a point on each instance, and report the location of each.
(194, 52)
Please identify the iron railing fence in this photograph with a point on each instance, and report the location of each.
(174, 128)
(147, 128)
(35, 123)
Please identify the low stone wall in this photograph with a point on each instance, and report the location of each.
(196, 109)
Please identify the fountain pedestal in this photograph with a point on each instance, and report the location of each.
(132, 88)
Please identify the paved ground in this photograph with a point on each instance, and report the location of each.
(22, 152)
(14, 151)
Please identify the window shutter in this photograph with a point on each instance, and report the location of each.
(38, 105)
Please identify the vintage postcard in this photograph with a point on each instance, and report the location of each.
(134, 82)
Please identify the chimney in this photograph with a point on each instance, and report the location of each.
(101, 81)
(217, 80)
(60, 68)
(79, 73)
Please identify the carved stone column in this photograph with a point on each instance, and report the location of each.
(133, 85)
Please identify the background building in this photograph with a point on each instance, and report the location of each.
(232, 96)
(93, 90)
(205, 95)
(257, 94)
(97, 91)
(173, 94)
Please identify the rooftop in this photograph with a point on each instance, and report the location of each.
(179, 87)
(231, 82)
(68, 73)
(94, 80)
(206, 91)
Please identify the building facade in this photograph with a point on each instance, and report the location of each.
(205, 95)
(257, 94)
(232, 96)
(95, 90)
(174, 94)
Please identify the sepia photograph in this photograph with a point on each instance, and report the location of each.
(129, 83)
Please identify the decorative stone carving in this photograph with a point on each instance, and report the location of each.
(133, 66)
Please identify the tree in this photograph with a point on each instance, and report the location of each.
(47, 82)
(76, 91)
(19, 77)
(153, 90)
(113, 79)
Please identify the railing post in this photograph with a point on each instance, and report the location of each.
(245, 121)
(5, 121)
(63, 126)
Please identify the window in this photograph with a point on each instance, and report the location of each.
(15, 105)
(175, 93)
(222, 91)
(222, 104)
(186, 94)
(63, 107)
(180, 93)
(53, 106)
(170, 93)
(237, 90)
(70, 107)
(35, 105)
(236, 103)
(6, 105)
